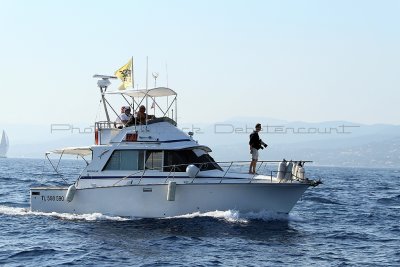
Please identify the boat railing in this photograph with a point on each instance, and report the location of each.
(100, 125)
(105, 131)
(267, 168)
(104, 125)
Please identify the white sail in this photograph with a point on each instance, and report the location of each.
(4, 145)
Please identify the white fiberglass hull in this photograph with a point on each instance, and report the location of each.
(150, 201)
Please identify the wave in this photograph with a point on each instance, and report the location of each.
(229, 216)
(322, 200)
(33, 252)
(234, 216)
(13, 211)
(389, 200)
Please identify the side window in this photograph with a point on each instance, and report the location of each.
(125, 160)
(154, 160)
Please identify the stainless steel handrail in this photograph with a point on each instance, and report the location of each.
(174, 167)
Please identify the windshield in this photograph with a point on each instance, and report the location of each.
(182, 158)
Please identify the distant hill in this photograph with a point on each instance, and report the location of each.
(333, 143)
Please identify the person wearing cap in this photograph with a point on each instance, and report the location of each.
(124, 117)
(128, 112)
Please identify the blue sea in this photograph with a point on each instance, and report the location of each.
(352, 219)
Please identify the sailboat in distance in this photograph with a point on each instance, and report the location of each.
(4, 145)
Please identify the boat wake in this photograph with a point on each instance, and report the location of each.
(234, 216)
(231, 216)
(13, 211)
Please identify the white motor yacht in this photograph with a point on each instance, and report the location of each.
(152, 169)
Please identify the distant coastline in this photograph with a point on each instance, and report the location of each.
(364, 146)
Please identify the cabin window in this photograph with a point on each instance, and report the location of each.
(125, 160)
(154, 160)
(178, 160)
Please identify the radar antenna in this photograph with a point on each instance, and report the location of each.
(103, 83)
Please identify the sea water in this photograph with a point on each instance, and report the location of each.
(352, 219)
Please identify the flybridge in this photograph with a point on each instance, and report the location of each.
(161, 104)
(160, 101)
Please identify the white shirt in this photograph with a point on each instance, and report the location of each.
(122, 117)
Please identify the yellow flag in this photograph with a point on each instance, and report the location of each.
(125, 74)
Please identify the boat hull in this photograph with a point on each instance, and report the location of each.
(150, 201)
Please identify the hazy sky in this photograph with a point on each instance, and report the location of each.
(292, 60)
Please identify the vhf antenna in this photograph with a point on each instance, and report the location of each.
(155, 76)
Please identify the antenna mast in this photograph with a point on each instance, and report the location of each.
(147, 87)
(147, 72)
(166, 69)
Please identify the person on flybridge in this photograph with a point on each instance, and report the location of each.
(255, 144)
(140, 117)
(124, 117)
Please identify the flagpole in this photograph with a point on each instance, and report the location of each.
(133, 85)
